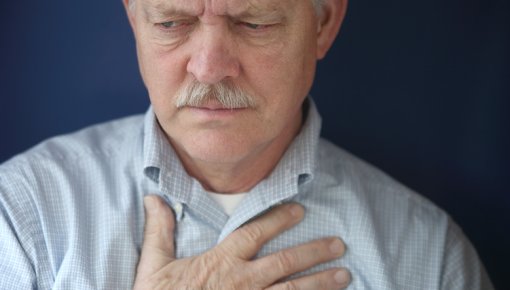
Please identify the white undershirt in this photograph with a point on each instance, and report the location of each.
(228, 202)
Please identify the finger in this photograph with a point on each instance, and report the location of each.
(158, 241)
(297, 259)
(246, 241)
(330, 279)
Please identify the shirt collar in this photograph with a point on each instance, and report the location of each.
(299, 161)
(162, 165)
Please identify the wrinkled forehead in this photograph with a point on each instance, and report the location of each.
(217, 7)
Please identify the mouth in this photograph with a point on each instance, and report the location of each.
(212, 112)
(214, 105)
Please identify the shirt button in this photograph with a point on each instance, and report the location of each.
(178, 209)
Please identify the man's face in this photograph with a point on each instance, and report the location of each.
(266, 48)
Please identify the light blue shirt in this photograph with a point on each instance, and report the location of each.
(71, 212)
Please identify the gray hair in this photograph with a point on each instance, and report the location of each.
(316, 3)
(229, 95)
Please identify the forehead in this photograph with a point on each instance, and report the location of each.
(217, 7)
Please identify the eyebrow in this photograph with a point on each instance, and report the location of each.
(158, 10)
(162, 10)
(260, 14)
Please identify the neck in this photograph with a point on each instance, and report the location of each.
(244, 174)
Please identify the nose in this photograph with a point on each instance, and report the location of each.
(214, 58)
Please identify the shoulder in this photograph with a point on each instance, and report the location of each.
(34, 182)
(48, 164)
(386, 201)
(104, 139)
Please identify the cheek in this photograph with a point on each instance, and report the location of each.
(162, 72)
(281, 73)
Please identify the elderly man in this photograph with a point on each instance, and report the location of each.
(239, 190)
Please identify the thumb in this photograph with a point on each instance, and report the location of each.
(158, 241)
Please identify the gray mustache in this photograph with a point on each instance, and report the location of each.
(230, 96)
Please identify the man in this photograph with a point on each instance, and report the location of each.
(231, 144)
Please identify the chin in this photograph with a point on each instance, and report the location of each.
(219, 149)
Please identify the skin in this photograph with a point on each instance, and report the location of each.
(230, 151)
(229, 265)
(269, 49)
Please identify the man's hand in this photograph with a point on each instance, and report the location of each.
(228, 266)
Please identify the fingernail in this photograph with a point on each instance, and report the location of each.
(336, 247)
(342, 277)
(295, 210)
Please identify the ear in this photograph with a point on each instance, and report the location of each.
(130, 11)
(330, 21)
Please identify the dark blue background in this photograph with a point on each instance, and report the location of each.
(419, 88)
